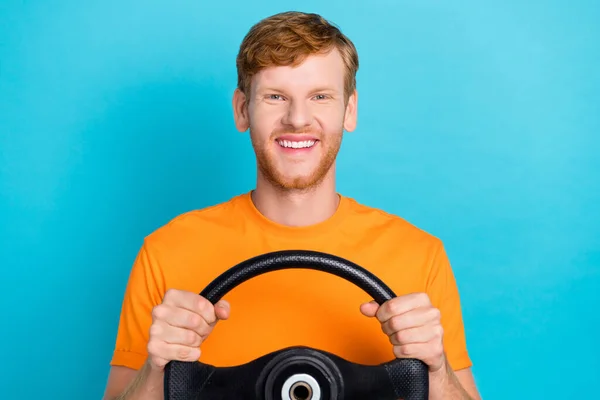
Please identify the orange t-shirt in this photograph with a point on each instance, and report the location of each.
(293, 306)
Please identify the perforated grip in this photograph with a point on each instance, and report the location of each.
(405, 379)
(410, 378)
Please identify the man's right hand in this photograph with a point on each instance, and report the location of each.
(179, 326)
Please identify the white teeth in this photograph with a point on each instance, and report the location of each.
(296, 145)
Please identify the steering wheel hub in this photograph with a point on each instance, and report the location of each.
(300, 373)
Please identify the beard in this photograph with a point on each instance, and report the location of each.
(267, 163)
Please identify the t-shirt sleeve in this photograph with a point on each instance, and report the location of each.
(142, 293)
(443, 292)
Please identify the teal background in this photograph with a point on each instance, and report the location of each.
(478, 122)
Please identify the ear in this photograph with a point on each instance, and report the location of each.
(240, 111)
(351, 112)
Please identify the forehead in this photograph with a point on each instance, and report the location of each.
(318, 70)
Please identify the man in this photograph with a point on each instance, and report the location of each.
(296, 95)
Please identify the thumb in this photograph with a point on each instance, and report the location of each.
(222, 309)
(369, 309)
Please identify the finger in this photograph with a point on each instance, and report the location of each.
(421, 334)
(158, 362)
(171, 352)
(400, 305)
(181, 318)
(411, 350)
(411, 319)
(207, 311)
(192, 302)
(222, 310)
(173, 335)
(369, 309)
(430, 353)
(183, 299)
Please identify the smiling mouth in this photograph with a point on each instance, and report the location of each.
(292, 144)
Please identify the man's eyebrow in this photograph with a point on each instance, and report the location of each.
(328, 89)
(268, 89)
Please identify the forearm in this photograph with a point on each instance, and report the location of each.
(147, 385)
(444, 385)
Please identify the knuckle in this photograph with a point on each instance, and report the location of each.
(394, 324)
(155, 330)
(193, 320)
(191, 338)
(169, 294)
(403, 336)
(400, 337)
(183, 353)
(391, 308)
(435, 314)
(204, 330)
(402, 351)
(159, 362)
(160, 312)
(423, 298)
(205, 307)
(154, 348)
(156, 312)
(440, 331)
(201, 303)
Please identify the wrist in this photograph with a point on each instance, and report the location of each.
(153, 380)
(147, 385)
(443, 384)
(443, 372)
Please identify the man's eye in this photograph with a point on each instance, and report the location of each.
(320, 97)
(274, 97)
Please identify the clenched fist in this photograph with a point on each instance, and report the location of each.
(413, 327)
(179, 326)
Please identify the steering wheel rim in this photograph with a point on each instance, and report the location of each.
(297, 259)
(408, 377)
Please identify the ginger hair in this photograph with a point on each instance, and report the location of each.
(286, 39)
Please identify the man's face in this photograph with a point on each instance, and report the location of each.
(296, 117)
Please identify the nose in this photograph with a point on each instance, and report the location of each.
(298, 115)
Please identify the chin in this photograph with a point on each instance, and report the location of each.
(293, 176)
(292, 182)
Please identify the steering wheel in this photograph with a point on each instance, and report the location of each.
(297, 373)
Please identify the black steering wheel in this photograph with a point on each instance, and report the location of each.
(297, 373)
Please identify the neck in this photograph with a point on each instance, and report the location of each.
(295, 207)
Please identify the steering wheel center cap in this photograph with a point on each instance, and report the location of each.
(301, 387)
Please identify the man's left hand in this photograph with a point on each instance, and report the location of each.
(413, 326)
